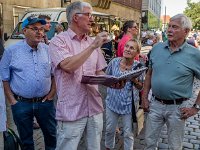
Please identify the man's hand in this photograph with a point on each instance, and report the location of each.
(13, 102)
(48, 97)
(188, 112)
(100, 39)
(145, 104)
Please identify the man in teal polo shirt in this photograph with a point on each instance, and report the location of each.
(172, 68)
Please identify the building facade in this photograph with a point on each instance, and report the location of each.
(151, 12)
(11, 11)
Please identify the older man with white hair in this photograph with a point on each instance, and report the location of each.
(173, 64)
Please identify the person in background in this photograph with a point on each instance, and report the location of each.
(1, 48)
(59, 28)
(79, 106)
(130, 30)
(2, 99)
(29, 87)
(1, 39)
(171, 71)
(116, 40)
(47, 27)
(164, 36)
(191, 40)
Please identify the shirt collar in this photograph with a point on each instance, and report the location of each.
(73, 35)
(28, 46)
(166, 45)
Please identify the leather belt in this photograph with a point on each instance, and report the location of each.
(170, 102)
(32, 100)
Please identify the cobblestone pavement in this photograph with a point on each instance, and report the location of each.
(191, 140)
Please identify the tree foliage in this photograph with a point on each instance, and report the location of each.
(193, 12)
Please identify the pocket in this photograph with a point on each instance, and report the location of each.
(46, 69)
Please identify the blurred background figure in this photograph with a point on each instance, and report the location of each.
(47, 27)
(130, 30)
(116, 40)
(191, 40)
(59, 28)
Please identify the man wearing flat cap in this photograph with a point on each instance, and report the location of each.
(29, 87)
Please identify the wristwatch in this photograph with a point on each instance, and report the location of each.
(197, 106)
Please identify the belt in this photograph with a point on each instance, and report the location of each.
(170, 102)
(32, 100)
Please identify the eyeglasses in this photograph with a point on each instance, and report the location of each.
(35, 29)
(86, 14)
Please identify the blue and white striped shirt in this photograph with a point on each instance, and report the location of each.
(120, 100)
(28, 71)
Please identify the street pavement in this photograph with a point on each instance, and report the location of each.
(191, 140)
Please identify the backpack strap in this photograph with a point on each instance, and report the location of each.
(16, 137)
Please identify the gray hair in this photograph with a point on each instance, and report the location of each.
(185, 21)
(75, 7)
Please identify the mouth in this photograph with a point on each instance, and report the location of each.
(127, 52)
(169, 35)
(39, 37)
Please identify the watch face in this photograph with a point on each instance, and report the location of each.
(197, 106)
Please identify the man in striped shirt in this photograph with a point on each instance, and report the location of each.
(73, 54)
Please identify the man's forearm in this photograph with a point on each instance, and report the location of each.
(198, 99)
(74, 62)
(52, 91)
(8, 92)
(147, 84)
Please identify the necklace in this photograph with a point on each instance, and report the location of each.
(125, 67)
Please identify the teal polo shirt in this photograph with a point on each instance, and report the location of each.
(173, 72)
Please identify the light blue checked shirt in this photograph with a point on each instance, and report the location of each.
(28, 71)
(120, 100)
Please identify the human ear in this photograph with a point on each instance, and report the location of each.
(75, 18)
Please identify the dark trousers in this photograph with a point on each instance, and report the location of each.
(44, 112)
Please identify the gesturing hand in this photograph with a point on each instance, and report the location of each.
(100, 39)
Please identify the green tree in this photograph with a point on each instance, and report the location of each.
(193, 11)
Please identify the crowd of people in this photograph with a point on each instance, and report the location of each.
(34, 70)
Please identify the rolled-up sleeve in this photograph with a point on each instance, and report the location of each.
(58, 50)
(101, 63)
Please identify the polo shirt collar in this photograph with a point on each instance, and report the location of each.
(166, 45)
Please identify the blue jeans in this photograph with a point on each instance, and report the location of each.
(44, 112)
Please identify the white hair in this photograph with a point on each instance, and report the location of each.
(185, 21)
(75, 7)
